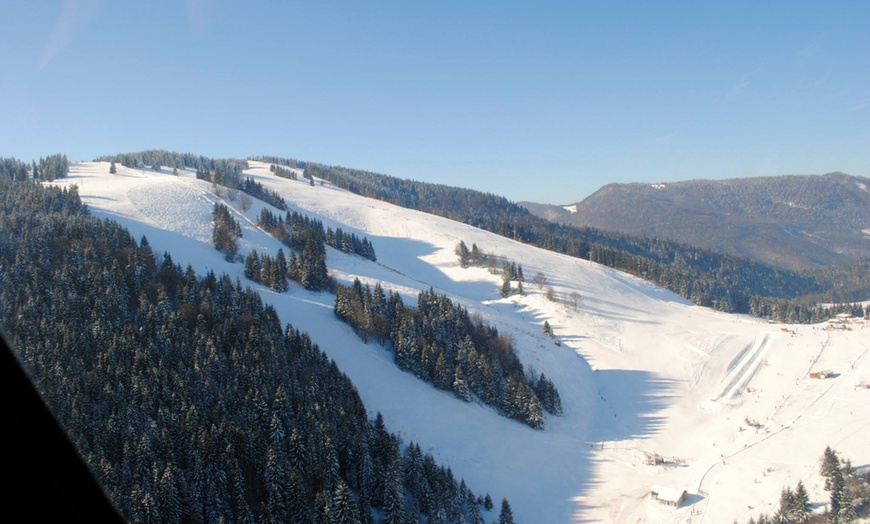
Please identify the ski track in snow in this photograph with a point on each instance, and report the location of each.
(641, 371)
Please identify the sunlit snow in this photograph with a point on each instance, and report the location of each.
(724, 402)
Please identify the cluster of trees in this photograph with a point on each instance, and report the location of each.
(469, 257)
(510, 270)
(306, 238)
(160, 157)
(724, 282)
(51, 167)
(185, 396)
(280, 161)
(350, 243)
(272, 272)
(849, 493)
(12, 169)
(849, 496)
(802, 312)
(441, 343)
(257, 190)
(225, 232)
(282, 172)
(307, 242)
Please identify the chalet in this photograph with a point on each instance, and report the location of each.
(822, 374)
(668, 496)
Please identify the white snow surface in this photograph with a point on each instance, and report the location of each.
(641, 371)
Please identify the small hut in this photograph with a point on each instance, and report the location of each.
(668, 496)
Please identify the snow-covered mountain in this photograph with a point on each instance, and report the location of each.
(794, 221)
(641, 372)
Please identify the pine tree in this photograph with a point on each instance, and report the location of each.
(475, 257)
(548, 330)
(506, 515)
(506, 288)
(801, 502)
(280, 272)
(830, 467)
(786, 504)
(460, 387)
(252, 265)
(344, 509)
(463, 254)
(112, 169)
(393, 497)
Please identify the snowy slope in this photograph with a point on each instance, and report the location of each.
(640, 370)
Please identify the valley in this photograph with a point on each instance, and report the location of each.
(724, 401)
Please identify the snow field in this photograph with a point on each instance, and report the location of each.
(640, 370)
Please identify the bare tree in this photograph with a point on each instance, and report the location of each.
(540, 279)
(491, 264)
(245, 202)
(551, 293)
(575, 299)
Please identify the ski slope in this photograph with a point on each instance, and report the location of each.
(642, 373)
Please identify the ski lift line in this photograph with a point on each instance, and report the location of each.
(769, 435)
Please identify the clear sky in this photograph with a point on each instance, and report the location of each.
(542, 101)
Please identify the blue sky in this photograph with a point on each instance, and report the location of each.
(542, 101)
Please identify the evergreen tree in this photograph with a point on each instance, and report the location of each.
(344, 509)
(112, 169)
(801, 503)
(786, 505)
(225, 231)
(506, 515)
(830, 467)
(253, 265)
(506, 288)
(460, 386)
(475, 257)
(463, 253)
(548, 330)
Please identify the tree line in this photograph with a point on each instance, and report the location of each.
(724, 282)
(185, 395)
(306, 239)
(440, 343)
(848, 496)
(49, 168)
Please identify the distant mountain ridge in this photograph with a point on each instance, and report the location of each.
(792, 221)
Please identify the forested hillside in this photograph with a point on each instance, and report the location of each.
(724, 282)
(441, 343)
(185, 395)
(793, 222)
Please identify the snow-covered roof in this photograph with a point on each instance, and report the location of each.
(667, 494)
